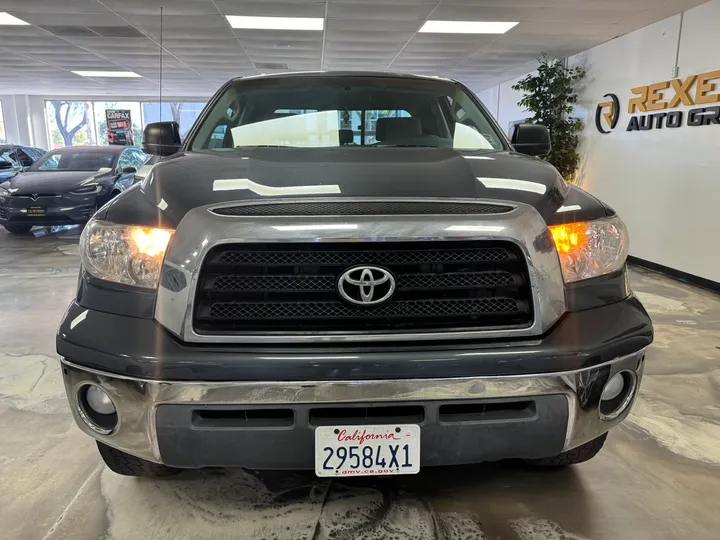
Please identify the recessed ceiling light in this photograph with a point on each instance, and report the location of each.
(7, 19)
(106, 73)
(276, 23)
(466, 27)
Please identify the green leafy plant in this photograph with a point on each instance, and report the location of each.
(550, 95)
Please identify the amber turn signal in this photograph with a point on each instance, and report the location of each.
(589, 249)
(570, 236)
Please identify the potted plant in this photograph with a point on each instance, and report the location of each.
(550, 95)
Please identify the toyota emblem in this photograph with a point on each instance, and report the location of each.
(366, 285)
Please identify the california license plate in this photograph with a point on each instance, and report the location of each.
(367, 450)
(36, 211)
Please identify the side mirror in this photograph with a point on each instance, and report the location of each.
(128, 170)
(161, 138)
(6, 166)
(531, 139)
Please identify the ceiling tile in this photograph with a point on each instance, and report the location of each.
(202, 51)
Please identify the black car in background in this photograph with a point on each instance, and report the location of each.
(15, 159)
(67, 186)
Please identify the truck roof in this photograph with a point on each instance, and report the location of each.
(330, 74)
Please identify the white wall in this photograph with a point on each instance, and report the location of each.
(490, 98)
(10, 118)
(508, 109)
(25, 120)
(665, 184)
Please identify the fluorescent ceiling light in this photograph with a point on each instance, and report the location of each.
(106, 73)
(466, 27)
(7, 19)
(276, 23)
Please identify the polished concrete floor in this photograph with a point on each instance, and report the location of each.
(657, 478)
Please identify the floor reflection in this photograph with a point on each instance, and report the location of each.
(457, 503)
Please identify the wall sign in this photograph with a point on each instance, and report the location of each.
(702, 89)
(119, 127)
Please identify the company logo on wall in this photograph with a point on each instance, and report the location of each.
(702, 89)
(610, 111)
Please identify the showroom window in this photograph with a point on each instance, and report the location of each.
(184, 113)
(70, 123)
(3, 138)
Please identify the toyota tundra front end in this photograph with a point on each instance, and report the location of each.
(352, 273)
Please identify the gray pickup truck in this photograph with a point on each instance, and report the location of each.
(352, 273)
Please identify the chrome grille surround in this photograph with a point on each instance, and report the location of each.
(201, 229)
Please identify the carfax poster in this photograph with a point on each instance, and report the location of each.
(119, 127)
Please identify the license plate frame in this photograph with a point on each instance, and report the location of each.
(398, 446)
(36, 211)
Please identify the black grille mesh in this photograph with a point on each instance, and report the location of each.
(363, 208)
(292, 287)
(385, 257)
(325, 310)
(271, 283)
(455, 280)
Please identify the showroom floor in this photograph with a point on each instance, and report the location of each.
(657, 478)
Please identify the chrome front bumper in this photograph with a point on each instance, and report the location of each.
(137, 400)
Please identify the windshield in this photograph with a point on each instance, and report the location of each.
(311, 112)
(7, 155)
(69, 159)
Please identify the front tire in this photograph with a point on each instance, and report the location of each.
(128, 465)
(18, 229)
(577, 455)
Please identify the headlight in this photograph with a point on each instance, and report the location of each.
(89, 189)
(127, 254)
(589, 249)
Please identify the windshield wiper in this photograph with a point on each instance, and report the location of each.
(406, 145)
(264, 146)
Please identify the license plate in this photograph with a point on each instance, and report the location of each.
(367, 450)
(36, 211)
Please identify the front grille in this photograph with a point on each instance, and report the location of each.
(364, 208)
(354, 255)
(292, 287)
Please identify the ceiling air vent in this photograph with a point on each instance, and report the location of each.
(270, 65)
(94, 31)
(70, 31)
(117, 31)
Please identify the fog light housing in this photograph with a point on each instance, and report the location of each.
(97, 409)
(617, 394)
(99, 401)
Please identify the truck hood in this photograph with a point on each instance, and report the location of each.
(193, 179)
(50, 182)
